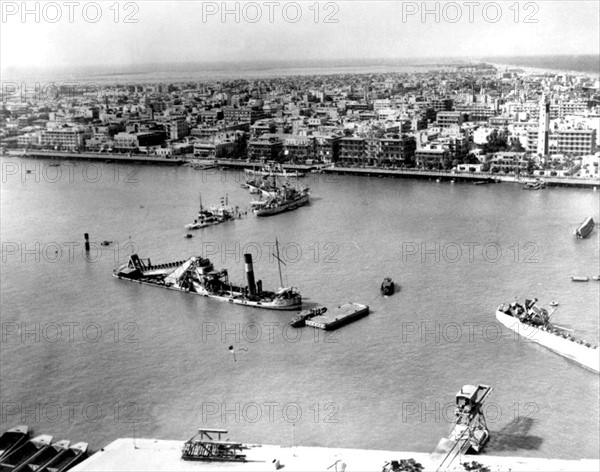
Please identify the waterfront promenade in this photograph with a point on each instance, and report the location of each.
(99, 156)
(423, 174)
(161, 455)
(364, 171)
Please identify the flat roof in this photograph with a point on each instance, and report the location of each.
(161, 455)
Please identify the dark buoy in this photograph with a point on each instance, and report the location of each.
(87, 241)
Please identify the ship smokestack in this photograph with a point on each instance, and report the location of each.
(250, 274)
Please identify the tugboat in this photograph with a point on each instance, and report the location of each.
(300, 320)
(585, 228)
(469, 433)
(387, 286)
(534, 324)
(198, 276)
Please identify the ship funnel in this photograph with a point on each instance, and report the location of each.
(249, 274)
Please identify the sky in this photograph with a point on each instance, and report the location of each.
(117, 33)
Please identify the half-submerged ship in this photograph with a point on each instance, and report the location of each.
(533, 323)
(213, 216)
(285, 199)
(585, 228)
(469, 433)
(197, 275)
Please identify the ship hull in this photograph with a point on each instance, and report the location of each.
(583, 355)
(292, 205)
(236, 299)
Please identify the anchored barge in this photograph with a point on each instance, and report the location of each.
(339, 316)
(534, 324)
(198, 276)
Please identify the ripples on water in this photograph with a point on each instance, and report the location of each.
(372, 384)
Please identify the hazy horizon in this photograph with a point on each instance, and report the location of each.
(119, 34)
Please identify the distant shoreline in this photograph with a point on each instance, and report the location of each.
(152, 73)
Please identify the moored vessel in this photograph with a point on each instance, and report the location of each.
(25, 453)
(300, 320)
(585, 228)
(533, 323)
(43, 457)
(12, 439)
(274, 169)
(286, 198)
(197, 275)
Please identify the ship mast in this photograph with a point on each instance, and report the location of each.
(279, 261)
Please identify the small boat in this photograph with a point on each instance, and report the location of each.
(596, 277)
(580, 278)
(452, 181)
(188, 236)
(66, 459)
(535, 185)
(480, 182)
(43, 457)
(553, 303)
(12, 439)
(585, 228)
(387, 286)
(438, 180)
(25, 452)
(106, 243)
(300, 320)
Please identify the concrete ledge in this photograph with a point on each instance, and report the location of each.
(161, 455)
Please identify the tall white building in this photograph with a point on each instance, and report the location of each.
(543, 127)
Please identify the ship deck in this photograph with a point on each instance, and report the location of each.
(159, 455)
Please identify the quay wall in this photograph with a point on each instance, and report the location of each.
(153, 454)
(99, 156)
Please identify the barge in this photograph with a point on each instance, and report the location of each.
(339, 316)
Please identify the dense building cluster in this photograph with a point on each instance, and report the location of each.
(473, 117)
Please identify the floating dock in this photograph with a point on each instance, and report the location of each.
(339, 316)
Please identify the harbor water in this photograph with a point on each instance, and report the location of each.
(86, 356)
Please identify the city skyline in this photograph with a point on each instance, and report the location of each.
(60, 34)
